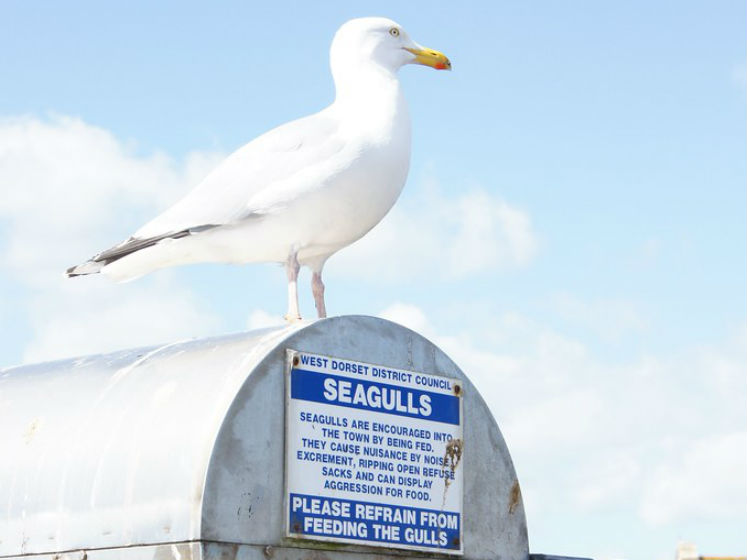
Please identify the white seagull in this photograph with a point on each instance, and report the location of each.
(301, 192)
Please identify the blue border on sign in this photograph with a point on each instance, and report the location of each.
(309, 385)
(419, 534)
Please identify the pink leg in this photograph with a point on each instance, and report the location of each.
(317, 288)
(291, 269)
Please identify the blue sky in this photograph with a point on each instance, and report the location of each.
(572, 231)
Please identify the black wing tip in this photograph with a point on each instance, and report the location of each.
(129, 246)
(88, 267)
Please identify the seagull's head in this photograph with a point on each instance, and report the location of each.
(383, 42)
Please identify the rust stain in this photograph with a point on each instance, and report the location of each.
(514, 497)
(452, 458)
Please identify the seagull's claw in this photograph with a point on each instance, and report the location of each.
(293, 318)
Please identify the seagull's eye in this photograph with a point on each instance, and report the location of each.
(394, 32)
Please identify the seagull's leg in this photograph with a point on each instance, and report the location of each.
(291, 268)
(317, 288)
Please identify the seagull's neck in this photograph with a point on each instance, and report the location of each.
(368, 90)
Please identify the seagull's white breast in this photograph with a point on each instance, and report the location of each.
(347, 196)
(357, 198)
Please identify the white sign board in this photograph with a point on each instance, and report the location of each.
(373, 455)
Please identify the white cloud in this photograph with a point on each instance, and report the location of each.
(70, 188)
(651, 436)
(261, 319)
(407, 315)
(69, 191)
(430, 233)
(704, 479)
(93, 316)
(605, 479)
(609, 319)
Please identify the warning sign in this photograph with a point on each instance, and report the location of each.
(373, 455)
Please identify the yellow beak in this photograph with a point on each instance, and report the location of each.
(429, 57)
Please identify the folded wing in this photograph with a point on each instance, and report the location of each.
(283, 165)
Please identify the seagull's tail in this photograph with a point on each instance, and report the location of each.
(88, 267)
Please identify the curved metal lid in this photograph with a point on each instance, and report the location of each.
(185, 442)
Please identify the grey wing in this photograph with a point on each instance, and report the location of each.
(255, 178)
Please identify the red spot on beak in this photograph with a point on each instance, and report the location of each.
(440, 66)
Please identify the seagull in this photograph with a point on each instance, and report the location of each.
(304, 190)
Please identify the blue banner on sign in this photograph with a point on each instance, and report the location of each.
(366, 521)
(369, 395)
